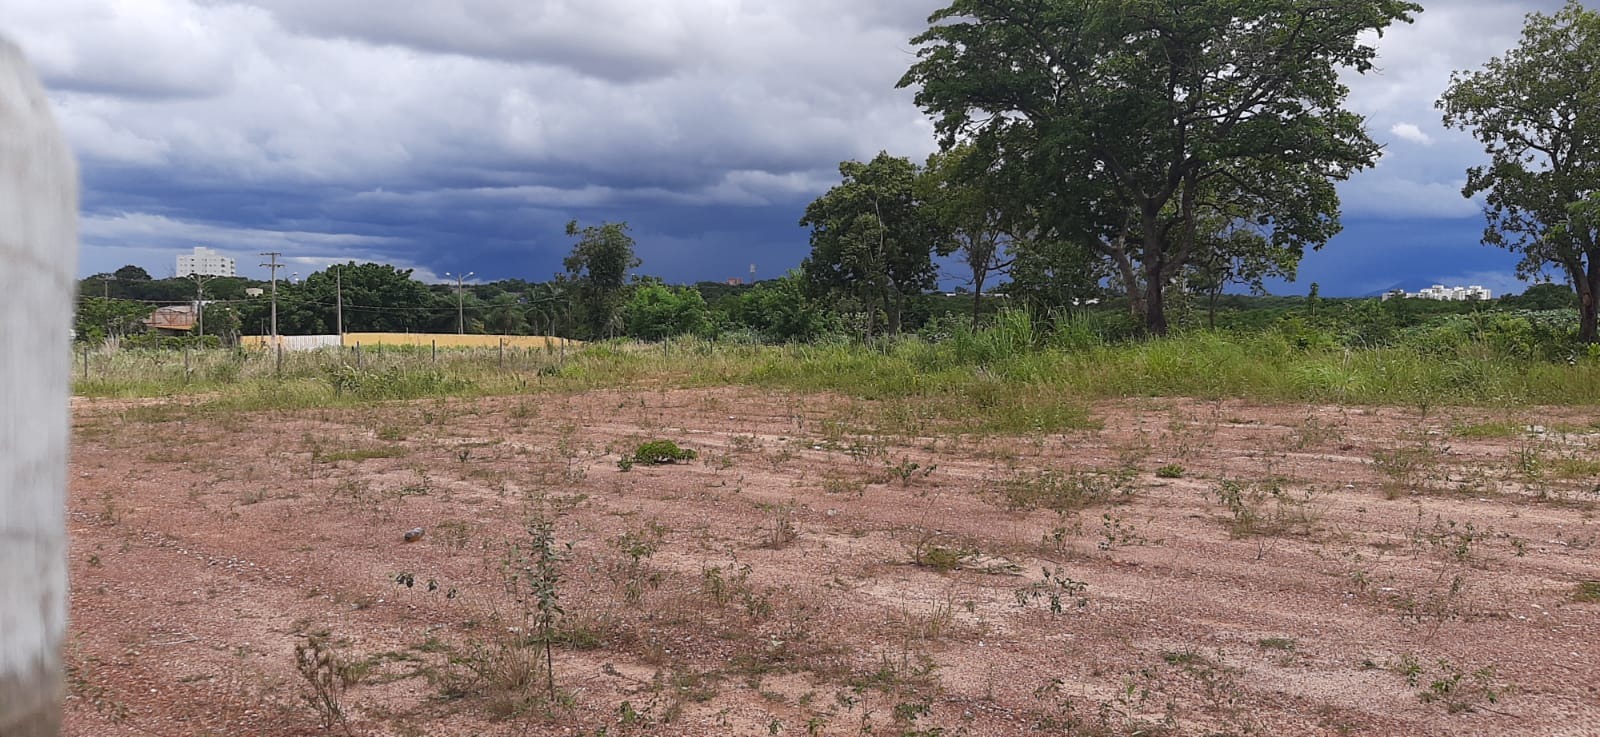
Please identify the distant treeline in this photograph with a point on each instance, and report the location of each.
(381, 298)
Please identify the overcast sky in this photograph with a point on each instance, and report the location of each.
(461, 135)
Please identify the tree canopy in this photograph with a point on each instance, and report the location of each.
(1127, 122)
(872, 239)
(132, 273)
(598, 266)
(1537, 111)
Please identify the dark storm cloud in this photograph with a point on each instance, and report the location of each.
(463, 135)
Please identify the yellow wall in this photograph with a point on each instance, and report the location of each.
(444, 340)
(451, 340)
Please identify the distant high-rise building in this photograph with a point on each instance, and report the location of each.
(205, 262)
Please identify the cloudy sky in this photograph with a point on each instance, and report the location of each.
(461, 135)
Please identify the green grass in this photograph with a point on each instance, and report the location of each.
(1577, 468)
(1005, 380)
(1489, 430)
(1276, 643)
(1588, 592)
(359, 454)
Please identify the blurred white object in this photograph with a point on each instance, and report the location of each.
(38, 260)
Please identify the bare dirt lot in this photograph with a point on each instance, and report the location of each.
(1185, 567)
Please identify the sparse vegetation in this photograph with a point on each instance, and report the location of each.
(325, 676)
(1265, 507)
(1066, 492)
(816, 524)
(903, 499)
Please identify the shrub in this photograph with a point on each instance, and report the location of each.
(660, 452)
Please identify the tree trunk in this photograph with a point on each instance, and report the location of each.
(38, 244)
(1588, 300)
(1154, 261)
(1130, 278)
(1155, 315)
(977, 295)
(893, 301)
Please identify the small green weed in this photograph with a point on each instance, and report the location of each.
(1265, 508)
(1056, 588)
(1065, 492)
(934, 550)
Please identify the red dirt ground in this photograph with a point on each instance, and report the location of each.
(1428, 585)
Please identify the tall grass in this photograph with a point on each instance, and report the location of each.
(1016, 374)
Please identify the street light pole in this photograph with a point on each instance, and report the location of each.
(461, 310)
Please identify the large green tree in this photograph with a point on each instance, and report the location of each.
(132, 273)
(377, 298)
(873, 238)
(99, 318)
(656, 311)
(780, 310)
(598, 267)
(1129, 120)
(1537, 112)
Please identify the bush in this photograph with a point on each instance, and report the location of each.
(660, 452)
(656, 311)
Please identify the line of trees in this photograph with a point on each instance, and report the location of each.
(596, 298)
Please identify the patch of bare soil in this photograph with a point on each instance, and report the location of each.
(1190, 568)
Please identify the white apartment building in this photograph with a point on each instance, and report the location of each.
(205, 262)
(1443, 293)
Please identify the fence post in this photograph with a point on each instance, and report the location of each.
(278, 370)
(360, 363)
(186, 364)
(85, 361)
(502, 354)
(435, 350)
